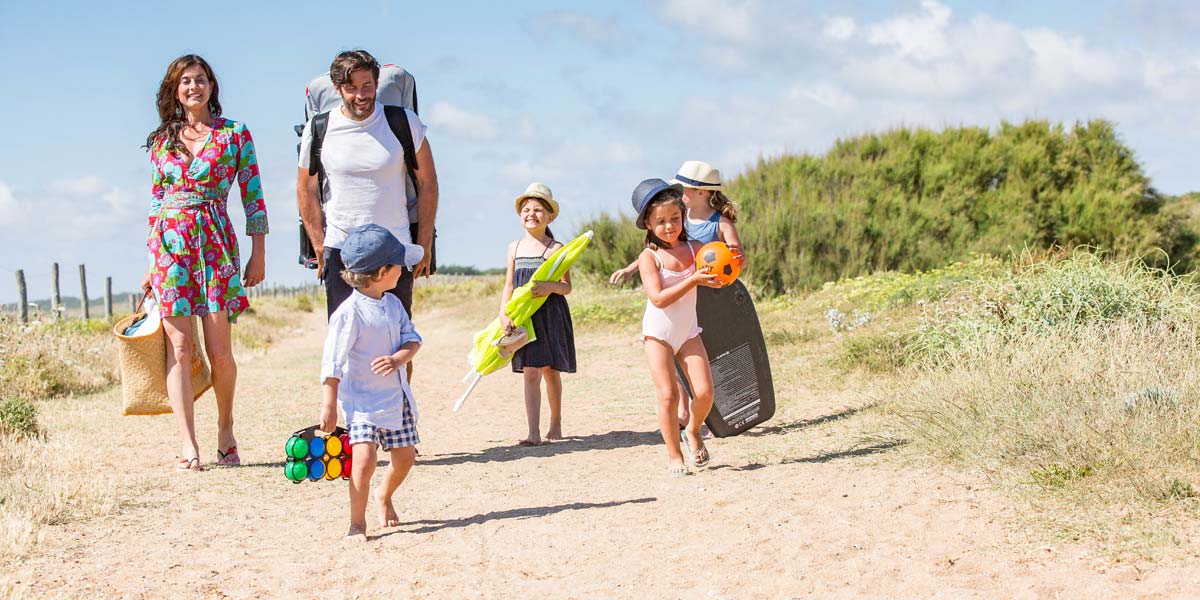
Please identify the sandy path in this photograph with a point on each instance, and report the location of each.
(803, 507)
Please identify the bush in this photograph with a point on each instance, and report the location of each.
(911, 200)
(18, 417)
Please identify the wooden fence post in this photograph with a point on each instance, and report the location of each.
(108, 298)
(55, 298)
(87, 310)
(23, 296)
(132, 303)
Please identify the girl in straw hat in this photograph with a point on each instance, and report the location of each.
(553, 352)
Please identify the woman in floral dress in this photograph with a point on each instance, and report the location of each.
(197, 155)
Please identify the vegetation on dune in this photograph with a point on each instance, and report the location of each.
(910, 200)
(1069, 375)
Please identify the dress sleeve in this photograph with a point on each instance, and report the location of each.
(156, 190)
(335, 362)
(251, 186)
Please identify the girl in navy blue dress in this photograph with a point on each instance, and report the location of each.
(553, 352)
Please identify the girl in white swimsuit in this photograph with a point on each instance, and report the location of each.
(669, 329)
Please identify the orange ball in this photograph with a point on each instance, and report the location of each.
(719, 259)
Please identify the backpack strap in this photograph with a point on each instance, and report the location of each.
(320, 124)
(397, 119)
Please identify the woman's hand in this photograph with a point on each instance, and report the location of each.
(146, 282)
(256, 270)
(506, 324)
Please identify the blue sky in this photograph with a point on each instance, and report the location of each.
(589, 98)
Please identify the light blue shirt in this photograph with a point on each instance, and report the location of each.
(361, 330)
(708, 230)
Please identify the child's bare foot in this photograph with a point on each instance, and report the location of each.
(555, 433)
(530, 441)
(387, 513)
(357, 534)
(677, 469)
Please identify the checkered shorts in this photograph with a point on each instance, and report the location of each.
(387, 439)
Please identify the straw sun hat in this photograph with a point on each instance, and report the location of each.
(541, 192)
(699, 175)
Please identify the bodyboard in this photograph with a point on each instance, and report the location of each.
(743, 393)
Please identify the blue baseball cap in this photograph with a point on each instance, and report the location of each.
(369, 247)
(644, 192)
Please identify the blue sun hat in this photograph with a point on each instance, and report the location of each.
(644, 192)
(369, 247)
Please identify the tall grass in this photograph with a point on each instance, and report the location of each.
(1074, 379)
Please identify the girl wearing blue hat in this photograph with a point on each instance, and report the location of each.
(669, 329)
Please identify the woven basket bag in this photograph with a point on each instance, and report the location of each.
(143, 361)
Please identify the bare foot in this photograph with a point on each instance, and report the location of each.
(357, 534)
(387, 513)
(677, 469)
(555, 433)
(530, 442)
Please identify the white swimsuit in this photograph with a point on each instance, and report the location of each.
(676, 323)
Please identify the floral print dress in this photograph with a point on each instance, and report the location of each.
(196, 268)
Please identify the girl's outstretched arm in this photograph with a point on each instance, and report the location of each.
(622, 275)
(652, 284)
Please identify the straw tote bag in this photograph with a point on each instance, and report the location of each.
(143, 360)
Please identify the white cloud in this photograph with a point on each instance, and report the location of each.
(605, 34)
(921, 36)
(80, 187)
(9, 209)
(732, 22)
(839, 29)
(461, 123)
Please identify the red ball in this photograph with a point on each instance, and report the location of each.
(720, 260)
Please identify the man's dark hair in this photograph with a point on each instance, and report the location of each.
(350, 61)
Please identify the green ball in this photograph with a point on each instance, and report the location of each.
(296, 447)
(295, 470)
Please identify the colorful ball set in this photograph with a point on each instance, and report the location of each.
(719, 259)
(314, 457)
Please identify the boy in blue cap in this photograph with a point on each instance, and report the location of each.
(370, 340)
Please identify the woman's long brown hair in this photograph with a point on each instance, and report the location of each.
(171, 116)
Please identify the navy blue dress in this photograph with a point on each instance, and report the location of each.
(555, 343)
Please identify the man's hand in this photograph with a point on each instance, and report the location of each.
(422, 268)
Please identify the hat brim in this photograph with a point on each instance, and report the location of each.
(549, 201)
(407, 255)
(699, 185)
(641, 218)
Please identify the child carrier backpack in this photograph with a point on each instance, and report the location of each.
(397, 90)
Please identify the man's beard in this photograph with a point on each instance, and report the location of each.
(356, 113)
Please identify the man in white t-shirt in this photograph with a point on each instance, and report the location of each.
(364, 169)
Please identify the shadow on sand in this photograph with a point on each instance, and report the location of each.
(509, 452)
(431, 525)
(786, 428)
(821, 458)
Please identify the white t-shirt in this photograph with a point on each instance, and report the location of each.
(364, 166)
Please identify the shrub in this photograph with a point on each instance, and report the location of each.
(18, 417)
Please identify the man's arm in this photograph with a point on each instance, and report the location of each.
(309, 203)
(427, 201)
